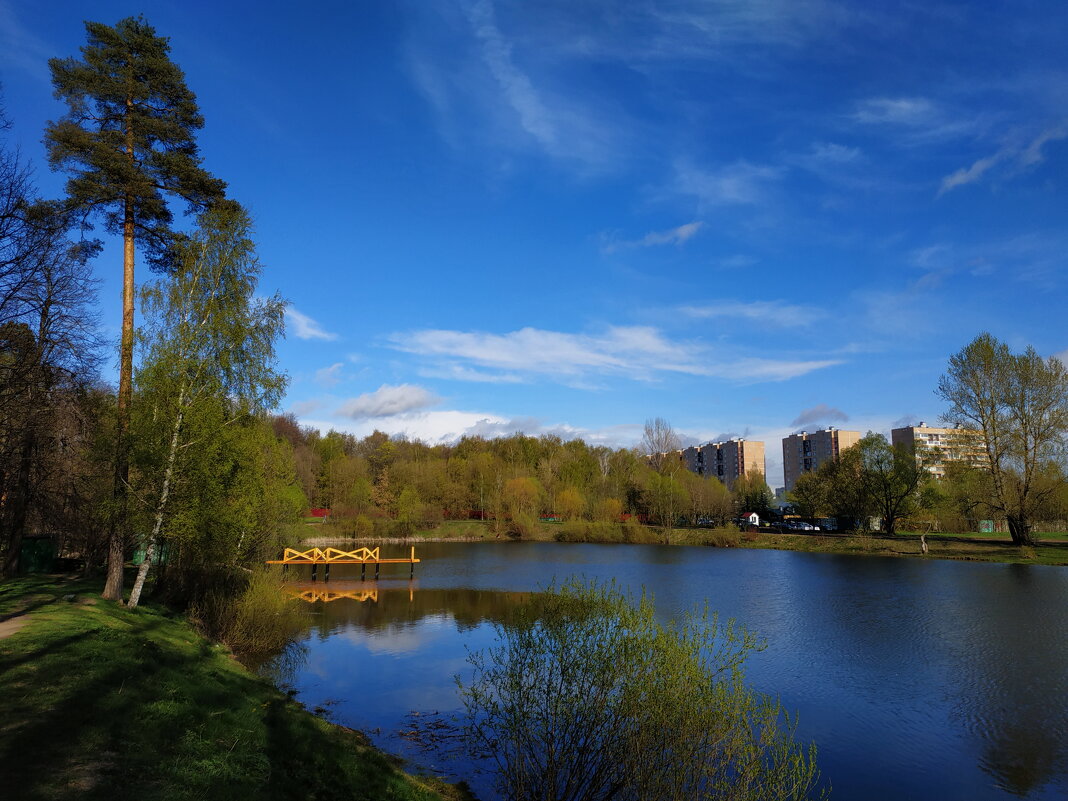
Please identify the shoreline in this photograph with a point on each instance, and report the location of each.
(1050, 550)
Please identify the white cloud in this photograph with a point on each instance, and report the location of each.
(304, 327)
(329, 376)
(672, 236)
(740, 183)
(762, 311)
(456, 372)
(819, 413)
(514, 83)
(1022, 157)
(910, 111)
(1063, 356)
(449, 425)
(634, 352)
(387, 401)
(302, 408)
(916, 120)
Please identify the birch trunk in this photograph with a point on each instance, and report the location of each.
(157, 526)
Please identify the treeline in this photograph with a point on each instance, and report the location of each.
(387, 485)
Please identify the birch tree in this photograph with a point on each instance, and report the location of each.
(208, 340)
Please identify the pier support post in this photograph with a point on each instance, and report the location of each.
(315, 570)
(363, 571)
(326, 572)
(377, 565)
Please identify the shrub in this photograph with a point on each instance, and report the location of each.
(724, 538)
(523, 525)
(362, 527)
(258, 618)
(576, 699)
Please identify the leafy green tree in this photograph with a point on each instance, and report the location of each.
(127, 141)
(570, 504)
(668, 499)
(409, 509)
(210, 343)
(587, 697)
(1019, 405)
(752, 494)
(809, 495)
(892, 478)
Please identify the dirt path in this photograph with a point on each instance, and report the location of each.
(13, 624)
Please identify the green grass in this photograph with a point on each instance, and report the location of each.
(972, 548)
(99, 701)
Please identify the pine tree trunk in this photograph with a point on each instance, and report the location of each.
(117, 539)
(157, 526)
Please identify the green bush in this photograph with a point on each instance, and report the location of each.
(586, 696)
(256, 619)
(523, 525)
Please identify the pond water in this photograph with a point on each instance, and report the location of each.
(917, 679)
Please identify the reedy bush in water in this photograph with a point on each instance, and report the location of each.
(586, 697)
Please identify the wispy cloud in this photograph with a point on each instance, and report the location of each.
(387, 401)
(740, 183)
(672, 236)
(910, 111)
(915, 120)
(634, 352)
(516, 86)
(1021, 157)
(768, 312)
(304, 327)
(819, 414)
(22, 49)
(329, 376)
(492, 86)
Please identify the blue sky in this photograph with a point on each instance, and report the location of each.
(745, 217)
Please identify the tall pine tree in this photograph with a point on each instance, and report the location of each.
(127, 142)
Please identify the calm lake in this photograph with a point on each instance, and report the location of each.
(917, 679)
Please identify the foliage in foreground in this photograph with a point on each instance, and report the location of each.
(586, 697)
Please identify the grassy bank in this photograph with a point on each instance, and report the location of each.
(1052, 549)
(98, 701)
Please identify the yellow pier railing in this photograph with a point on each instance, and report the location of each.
(335, 556)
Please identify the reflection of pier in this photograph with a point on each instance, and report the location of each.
(335, 556)
(313, 594)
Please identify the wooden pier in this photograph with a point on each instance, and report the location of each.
(335, 556)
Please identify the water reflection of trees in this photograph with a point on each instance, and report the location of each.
(372, 608)
(987, 636)
(1015, 691)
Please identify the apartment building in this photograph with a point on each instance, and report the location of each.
(725, 460)
(805, 452)
(935, 446)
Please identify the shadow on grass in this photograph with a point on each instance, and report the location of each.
(104, 702)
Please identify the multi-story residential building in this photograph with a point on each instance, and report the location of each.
(935, 446)
(725, 460)
(805, 452)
